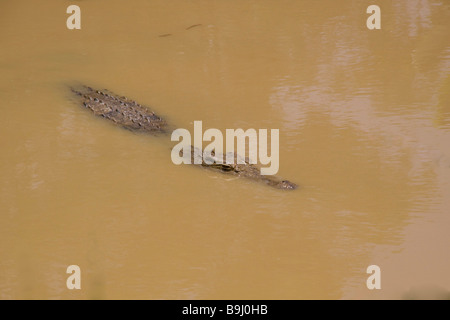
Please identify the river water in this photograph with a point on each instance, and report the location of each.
(364, 120)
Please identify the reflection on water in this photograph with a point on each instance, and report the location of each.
(364, 123)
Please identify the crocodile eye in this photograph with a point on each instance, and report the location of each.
(226, 168)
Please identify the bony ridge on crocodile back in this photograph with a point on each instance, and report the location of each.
(125, 112)
(133, 116)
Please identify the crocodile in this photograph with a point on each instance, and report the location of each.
(133, 116)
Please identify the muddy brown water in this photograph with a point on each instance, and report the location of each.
(364, 119)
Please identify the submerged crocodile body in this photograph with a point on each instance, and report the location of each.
(133, 116)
